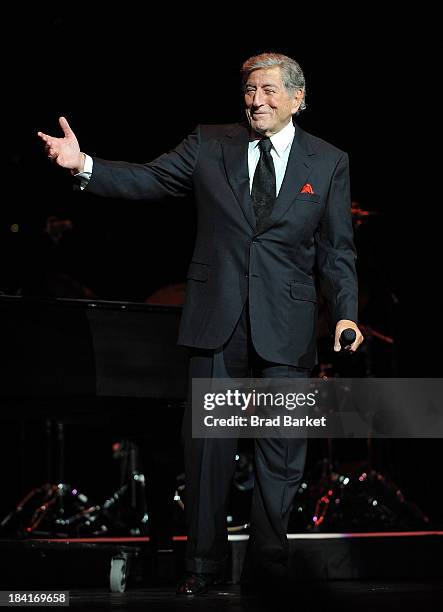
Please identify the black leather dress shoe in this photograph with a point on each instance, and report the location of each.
(195, 584)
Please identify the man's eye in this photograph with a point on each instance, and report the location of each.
(269, 91)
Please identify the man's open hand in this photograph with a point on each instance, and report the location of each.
(65, 151)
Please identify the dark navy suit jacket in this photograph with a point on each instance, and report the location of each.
(308, 238)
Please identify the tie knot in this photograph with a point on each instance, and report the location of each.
(265, 144)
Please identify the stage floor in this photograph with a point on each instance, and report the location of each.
(361, 596)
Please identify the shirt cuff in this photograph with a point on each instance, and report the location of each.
(85, 176)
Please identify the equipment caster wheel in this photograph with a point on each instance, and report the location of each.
(119, 573)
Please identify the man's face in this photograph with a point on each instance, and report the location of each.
(269, 106)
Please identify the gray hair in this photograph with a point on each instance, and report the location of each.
(292, 75)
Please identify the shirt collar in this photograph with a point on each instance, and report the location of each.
(281, 140)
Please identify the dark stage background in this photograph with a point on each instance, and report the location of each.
(132, 87)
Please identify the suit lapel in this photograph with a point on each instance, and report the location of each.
(297, 171)
(235, 157)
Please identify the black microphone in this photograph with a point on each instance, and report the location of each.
(347, 337)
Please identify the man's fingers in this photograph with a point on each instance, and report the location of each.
(44, 137)
(354, 346)
(68, 133)
(348, 349)
(65, 126)
(337, 345)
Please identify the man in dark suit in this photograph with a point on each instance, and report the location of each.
(274, 217)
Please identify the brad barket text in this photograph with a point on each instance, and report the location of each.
(253, 420)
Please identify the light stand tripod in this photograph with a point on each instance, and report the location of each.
(58, 509)
(359, 498)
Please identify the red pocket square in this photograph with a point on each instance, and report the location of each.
(307, 188)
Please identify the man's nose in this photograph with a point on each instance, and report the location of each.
(258, 98)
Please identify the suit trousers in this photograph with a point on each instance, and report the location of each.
(210, 466)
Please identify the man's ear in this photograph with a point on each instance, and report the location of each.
(298, 99)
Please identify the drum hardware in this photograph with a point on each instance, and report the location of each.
(61, 510)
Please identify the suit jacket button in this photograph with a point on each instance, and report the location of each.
(246, 275)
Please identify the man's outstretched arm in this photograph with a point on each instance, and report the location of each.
(169, 175)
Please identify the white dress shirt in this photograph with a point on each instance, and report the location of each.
(281, 147)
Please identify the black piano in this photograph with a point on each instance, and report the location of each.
(78, 376)
(70, 347)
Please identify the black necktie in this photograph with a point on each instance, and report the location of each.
(263, 191)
